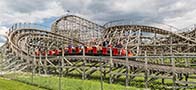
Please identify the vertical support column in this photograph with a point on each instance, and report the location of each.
(127, 68)
(101, 77)
(186, 62)
(186, 75)
(15, 66)
(162, 59)
(138, 43)
(84, 63)
(61, 65)
(46, 58)
(60, 70)
(155, 48)
(111, 66)
(45, 62)
(162, 62)
(62, 60)
(21, 55)
(28, 52)
(195, 31)
(146, 71)
(40, 57)
(39, 63)
(33, 61)
(104, 72)
(163, 80)
(33, 68)
(154, 43)
(173, 72)
(171, 49)
(172, 60)
(186, 79)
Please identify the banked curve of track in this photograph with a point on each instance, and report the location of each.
(149, 29)
(18, 34)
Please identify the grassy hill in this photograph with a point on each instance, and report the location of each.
(6, 84)
(52, 83)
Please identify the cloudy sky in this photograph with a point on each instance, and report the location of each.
(178, 13)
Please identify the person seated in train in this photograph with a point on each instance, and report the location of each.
(37, 52)
(79, 49)
(81, 46)
(119, 45)
(99, 48)
(98, 45)
(105, 43)
(89, 47)
(110, 45)
(123, 52)
(130, 53)
(74, 49)
(58, 51)
(65, 49)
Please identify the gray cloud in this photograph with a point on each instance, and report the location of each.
(103, 11)
(2, 39)
(160, 10)
(156, 10)
(26, 6)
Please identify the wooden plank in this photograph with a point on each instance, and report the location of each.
(184, 82)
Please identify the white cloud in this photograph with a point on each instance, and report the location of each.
(176, 6)
(3, 30)
(182, 21)
(133, 5)
(1, 44)
(179, 13)
(10, 15)
(52, 9)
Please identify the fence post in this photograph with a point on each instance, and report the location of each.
(146, 71)
(173, 72)
(83, 66)
(127, 69)
(101, 77)
(60, 70)
(111, 65)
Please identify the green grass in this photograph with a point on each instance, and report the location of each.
(14, 85)
(52, 82)
(75, 83)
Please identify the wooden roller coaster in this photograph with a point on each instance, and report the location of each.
(117, 50)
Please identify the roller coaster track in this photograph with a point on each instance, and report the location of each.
(22, 44)
(150, 29)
